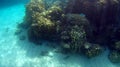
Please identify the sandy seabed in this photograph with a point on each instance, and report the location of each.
(21, 53)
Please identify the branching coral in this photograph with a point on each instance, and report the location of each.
(74, 31)
(78, 38)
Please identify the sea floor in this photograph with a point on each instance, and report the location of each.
(16, 52)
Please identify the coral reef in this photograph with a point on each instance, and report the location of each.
(74, 31)
(53, 24)
(102, 15)
(80, 26)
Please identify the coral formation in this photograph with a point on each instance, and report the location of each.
(91, 50)
(102, 15)
(44, 28)
(42, 23)
(116, 46)
(32, 9)
(114, 56)
(74, 31)
(81, 26)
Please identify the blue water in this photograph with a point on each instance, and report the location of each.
(21, 53)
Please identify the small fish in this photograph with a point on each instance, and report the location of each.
(82, 14)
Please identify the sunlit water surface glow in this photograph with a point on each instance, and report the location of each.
(17, 53)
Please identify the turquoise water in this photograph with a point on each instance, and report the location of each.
(21, 53)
